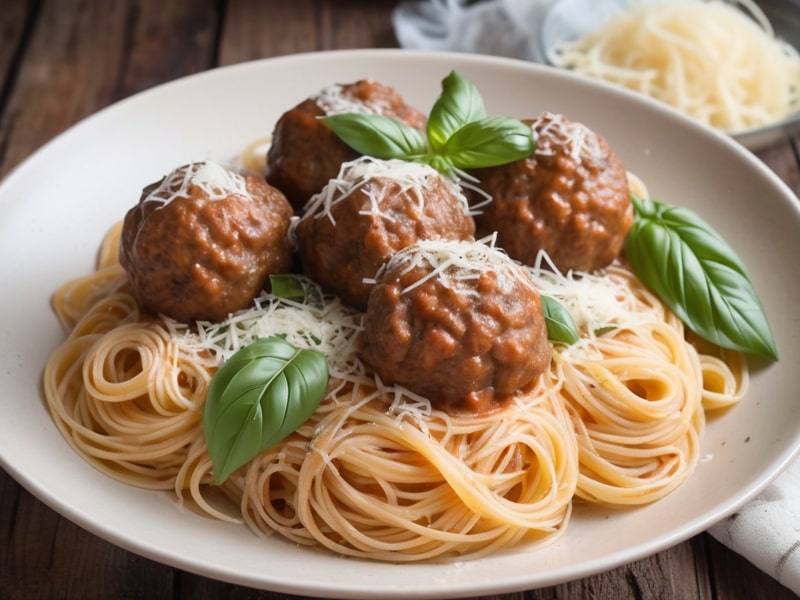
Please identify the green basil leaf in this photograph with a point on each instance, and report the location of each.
(693, 270)
(441, 163)
(378, 135)
(459, 103)
(489, 142)
(286, 285)
(260, 395)
(560, 325)
(458, 136)
(603, 330)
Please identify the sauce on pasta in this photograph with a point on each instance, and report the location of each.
(380, 470)
(377, 472)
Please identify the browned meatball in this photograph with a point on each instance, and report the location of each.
(201, 242)
(370, 211)
(458, 322)
(305, 153)
(570, 199)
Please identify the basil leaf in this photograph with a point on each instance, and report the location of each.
(440, 163)
(489, 142)
(692, 269)
(260, 395)
(377, 135)
(458, 135)
(286, 286)
(560, 325)
(459, 104)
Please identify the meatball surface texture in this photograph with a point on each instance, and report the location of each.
(570, 199)
(305, 153)
(201, 242)
(370, 211)
(458, 322)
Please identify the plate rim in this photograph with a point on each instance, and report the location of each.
(78, 517)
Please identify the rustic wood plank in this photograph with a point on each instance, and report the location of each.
(254, 29)
(49, 95)
(73, 68)
(352, 25)
(46, 556)
(167, 40)
(258, 29)
(193, 587)
(14, 20)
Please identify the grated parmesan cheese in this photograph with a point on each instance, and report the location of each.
(333, 100)
(414, 179)
(318, 322)
(577, 140)
(452, 262)
(594, 300)
(213, 179)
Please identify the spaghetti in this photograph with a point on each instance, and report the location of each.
(723, 66)
(377, 472)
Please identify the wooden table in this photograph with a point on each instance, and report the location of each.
(62, 60)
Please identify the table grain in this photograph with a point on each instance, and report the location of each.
(61, 61)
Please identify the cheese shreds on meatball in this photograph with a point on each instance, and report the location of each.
(200, 242)
(459, 322)
(213, 179)
(370, 211)
(306, 153)
(335, 100)
(455, 261)
(415, 179)
(578, 140)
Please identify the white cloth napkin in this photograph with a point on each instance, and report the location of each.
(525, 29)
(766, 531)
(497, 27)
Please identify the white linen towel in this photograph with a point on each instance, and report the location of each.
(766, 531)
(524, 29)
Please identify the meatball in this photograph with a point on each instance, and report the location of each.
(370, 211)
(570, 199)
(458, 322)
(201, 242)
(305, 153)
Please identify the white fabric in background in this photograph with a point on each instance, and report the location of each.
(523, 29)
(766, 531)
(497, 27)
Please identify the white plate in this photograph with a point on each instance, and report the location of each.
(56, 206)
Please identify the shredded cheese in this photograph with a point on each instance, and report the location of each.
(553, 132)
(334, 100)
(415, 180)
(595, 301)
(452, 262)
(318, 321)
(213, 179)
